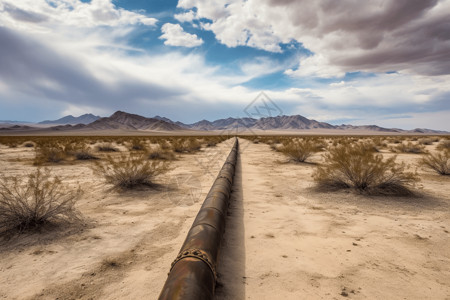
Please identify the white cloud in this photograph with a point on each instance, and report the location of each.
(77, 64)
(188, 16)
(236, 23)
(345, 36)
(70, 12)
(174, 35)
(315, 66)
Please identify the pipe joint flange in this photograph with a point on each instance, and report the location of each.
(199, 254)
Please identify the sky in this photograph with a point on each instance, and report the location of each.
(383, 62)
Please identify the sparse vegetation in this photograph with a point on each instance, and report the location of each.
(35, 201)
(189, 145)
(83, 152)
(106, 147)
(409, 148)
(299, 150)
(49, 152)
(428, 140)
(352, 166)
(439, 162)
(161, 154)
(137, 145)
(129, 171)
(444, 145)
(28, 144)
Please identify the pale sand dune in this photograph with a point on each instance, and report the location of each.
(284, 240)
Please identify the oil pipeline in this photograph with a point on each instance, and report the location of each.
(193, 274)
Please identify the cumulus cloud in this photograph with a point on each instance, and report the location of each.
(376, 36)
(67, 56)
(174, 35)
(52, 66)
(188, 16)
(381, 99)
(70, 12)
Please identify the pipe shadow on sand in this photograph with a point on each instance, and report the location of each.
(231, 268)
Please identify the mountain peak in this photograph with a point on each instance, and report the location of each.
(83, 119)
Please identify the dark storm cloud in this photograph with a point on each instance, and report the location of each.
(375, 35)
(36, 70)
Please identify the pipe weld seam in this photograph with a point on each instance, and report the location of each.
(200, 255)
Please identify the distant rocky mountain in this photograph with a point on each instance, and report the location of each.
(14, 122)
(128, 122)
(367, 127)
(295, 122)
(125, 121)
(83, 119)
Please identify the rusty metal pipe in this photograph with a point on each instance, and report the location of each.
(193, 273)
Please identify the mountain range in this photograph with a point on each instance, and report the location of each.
(123, 121)
(83, 119)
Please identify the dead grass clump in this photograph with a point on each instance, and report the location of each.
(28, 144)
(107, 147)
(444, 145)
(352, 166)
(130, 171)
(409, 148)
(35, 201)
(84, 153)
(428, 140)
(370, 146)
(212, 141)
(186, 145)
(49, 152)
(160, 154)
(299, 150)
(137, 145)
(439, 162)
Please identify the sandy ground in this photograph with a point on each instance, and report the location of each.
(284, 239)
(128, 243)
(288, 241)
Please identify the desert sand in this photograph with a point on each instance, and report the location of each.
(284, 239)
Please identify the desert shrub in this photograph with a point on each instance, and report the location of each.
(82, 152)
(129, 171)
(137, 145)
(28, 144)
(193, 145)
(439, 162)
(408, 148)
(444, 145)
(106, 147)
(212, 141)
(186, 145)
(49, 152)
(369, 146)
(179, 145)
(274, 147)
(34, 201)
(165, 145)
(428, 140)
(352, 166)
(395, 140)
(299, 150)
(161, 154)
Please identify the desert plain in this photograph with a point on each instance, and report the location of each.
(285, 239)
